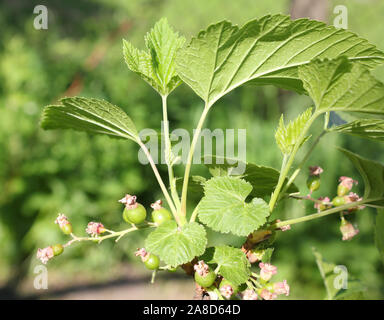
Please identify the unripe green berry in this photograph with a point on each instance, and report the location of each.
(160, 216)
(67, 228)
(342, 190)
(135, 215)
(125, 216)
(207, 280)
(57, 249)
(313, 183)
(152, 262)
(338, 201)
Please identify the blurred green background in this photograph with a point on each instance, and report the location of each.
(43, 173)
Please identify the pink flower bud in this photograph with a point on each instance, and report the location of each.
(141, 252)
(249, 295)
(226, 291)
(267, 271)
(45, 254)
(284, 228)
(267, 295)
(281, 288)
(315, 170)
(348, 230)
(129, 201)
(157, 205)
(61, 220)
(201, 268)
(347, 182)
(95, 228)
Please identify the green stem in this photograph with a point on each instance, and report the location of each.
(168, 150)
(319, 214)
(286, 167)
(189, 160)
(194, 214)
(302, 163)
(112, 234)
(160, 181)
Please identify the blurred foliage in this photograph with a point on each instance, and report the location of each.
(43, 173)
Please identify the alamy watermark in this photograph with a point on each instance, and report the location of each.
(227, 146)
(41, 279)
(341, 19)
(41, 20)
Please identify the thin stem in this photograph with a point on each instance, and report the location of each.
(160, 181)
(319, 214)
(189, 161)
(113, 234)
(168, 150)
(194, 214)
(308, 197)
(284, 172)
(302, 163)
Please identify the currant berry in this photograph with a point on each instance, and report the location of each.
(125, 216)
(136, 215)
(342, 190)
(66, 228)
(313, 183)
(57, 249)
(338, 201)
(152, 262)
(161, 215)
(206, 280)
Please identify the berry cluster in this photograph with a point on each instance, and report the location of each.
(344, 196)
(258, 286)
(134, 213)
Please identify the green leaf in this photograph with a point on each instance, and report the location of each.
(263, 179)
(224, 209)
(175, 245)
(265, 51)
(379, 232)
(233, 264)
(372, 173)
(340, 85)
(287, 136)
(90, 115)
(329, 274)
(366, 128)
(156, 64)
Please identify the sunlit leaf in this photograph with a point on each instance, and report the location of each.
(177, 245)
(366, 128)
(90, 115)
(265, 51)
(156, 64)
(224, 208)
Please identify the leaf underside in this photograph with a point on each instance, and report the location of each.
(342, 85)
(365, 128)
(265, 51)
(90, 115)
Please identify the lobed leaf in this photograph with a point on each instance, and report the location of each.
(175, 245)
(156, 64)
(90, 115)
(223, 208)
(233, 264)
(340, 85)
(264, 51)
